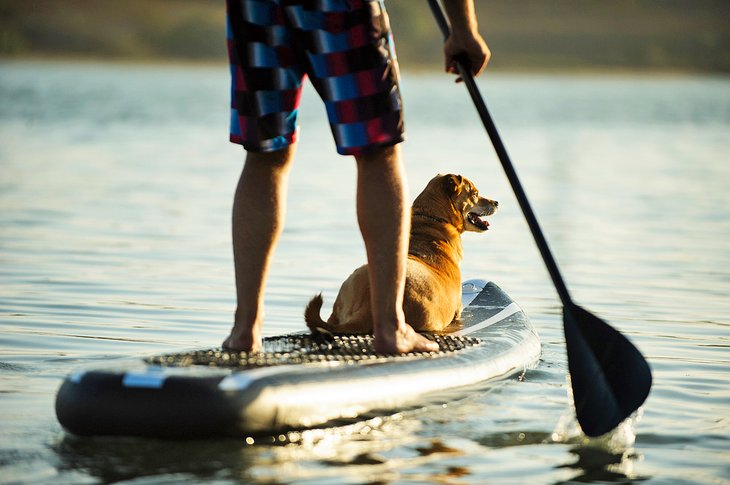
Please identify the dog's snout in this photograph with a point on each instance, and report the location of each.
(496, 204)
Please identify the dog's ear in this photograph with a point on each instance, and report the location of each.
(453, 183)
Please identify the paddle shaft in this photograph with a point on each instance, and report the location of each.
(610, 378)
(509, 169)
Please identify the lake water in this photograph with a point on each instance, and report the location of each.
(115, 189)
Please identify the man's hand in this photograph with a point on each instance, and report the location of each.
(468, 47)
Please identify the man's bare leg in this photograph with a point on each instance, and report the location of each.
(384, 219)
(259, 208)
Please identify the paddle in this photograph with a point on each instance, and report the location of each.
(609, 376)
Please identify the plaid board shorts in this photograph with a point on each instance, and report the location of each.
(346, 49)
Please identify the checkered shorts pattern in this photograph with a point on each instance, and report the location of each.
(344, 46)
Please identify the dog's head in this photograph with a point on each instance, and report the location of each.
(455, 199)
(467, 202)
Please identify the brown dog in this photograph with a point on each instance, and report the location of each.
(448, 206)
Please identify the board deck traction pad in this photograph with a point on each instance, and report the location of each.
(299, 349)
(298, 381)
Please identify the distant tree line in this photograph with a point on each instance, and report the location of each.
(685, 35)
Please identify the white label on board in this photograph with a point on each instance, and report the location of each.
(152, 378)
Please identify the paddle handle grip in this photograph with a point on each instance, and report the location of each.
(509, 169)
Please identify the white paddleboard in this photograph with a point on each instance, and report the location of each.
(297, 382)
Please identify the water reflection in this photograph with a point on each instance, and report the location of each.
(118, 459)
(373, 451)
(515, 438)
(291, 456)
(599, 466)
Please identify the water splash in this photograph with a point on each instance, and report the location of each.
(603, 458)
(618, 441)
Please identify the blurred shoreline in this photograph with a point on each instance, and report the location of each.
(525, 36)
(588, 71)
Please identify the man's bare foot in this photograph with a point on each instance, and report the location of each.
(244, 338)
(402, 341)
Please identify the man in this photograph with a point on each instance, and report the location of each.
(345, 47)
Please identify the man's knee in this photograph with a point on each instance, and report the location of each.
(387, 155)
(271, 161)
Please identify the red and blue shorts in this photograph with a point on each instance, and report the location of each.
(344, 46)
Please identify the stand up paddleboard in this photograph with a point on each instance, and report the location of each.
(297, 381)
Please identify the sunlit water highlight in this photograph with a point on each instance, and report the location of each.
(115, 190)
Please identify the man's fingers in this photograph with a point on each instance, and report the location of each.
(482, 62)
(474, 64)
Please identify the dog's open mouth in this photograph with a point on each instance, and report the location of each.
(477, 221)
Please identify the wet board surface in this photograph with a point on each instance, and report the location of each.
(297, 381)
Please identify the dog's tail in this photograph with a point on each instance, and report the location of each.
(312, 317)
(334, 325)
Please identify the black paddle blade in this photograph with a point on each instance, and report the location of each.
(609, 376)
